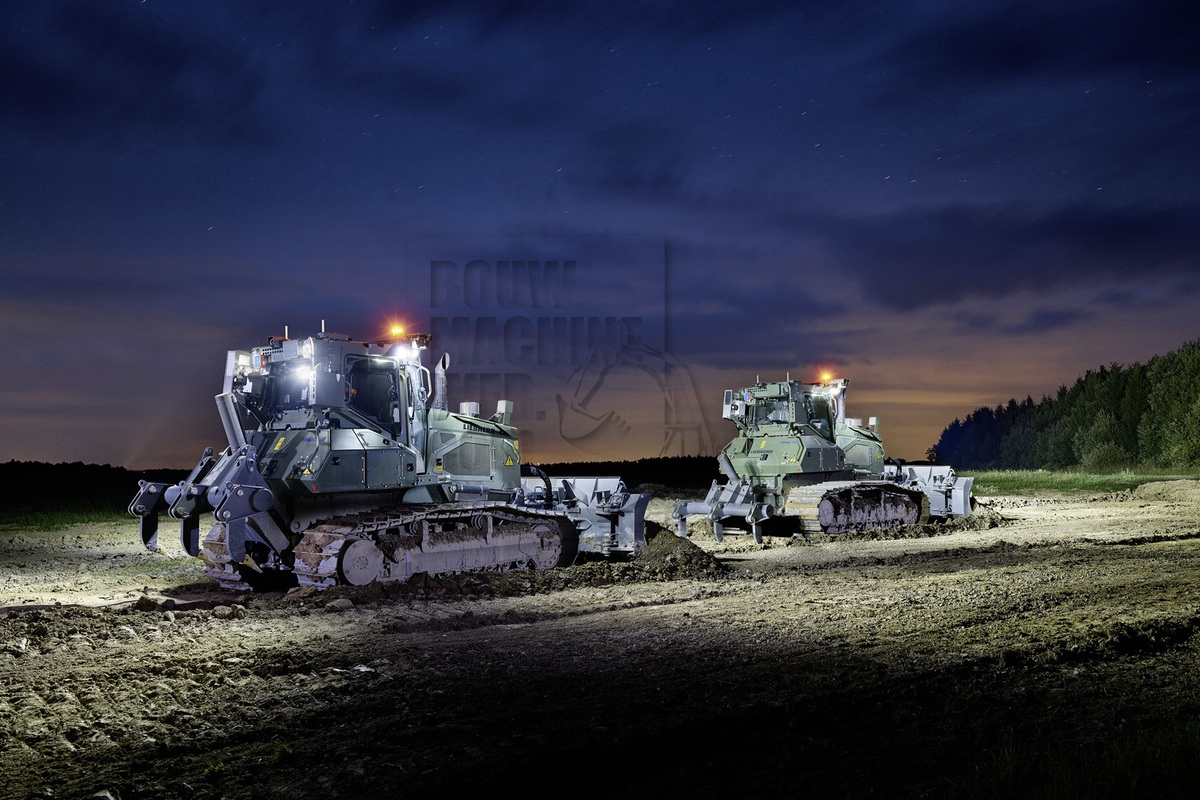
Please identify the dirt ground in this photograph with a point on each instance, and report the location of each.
(942, 661)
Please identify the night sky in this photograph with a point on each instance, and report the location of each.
(948, 203)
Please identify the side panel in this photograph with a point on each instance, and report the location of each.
(383, 468)
(345, 467)
(388, 465)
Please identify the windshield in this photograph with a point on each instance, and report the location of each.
(770, 410)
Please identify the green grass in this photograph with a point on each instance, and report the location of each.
(24, 519)
(1069, 481)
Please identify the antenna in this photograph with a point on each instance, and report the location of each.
(322, 326)
(285, 333)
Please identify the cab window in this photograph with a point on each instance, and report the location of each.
(371, 389)
(820, 414)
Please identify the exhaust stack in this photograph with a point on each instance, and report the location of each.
(439, 382)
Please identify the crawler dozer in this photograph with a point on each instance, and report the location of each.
(341, 468)
(799, 466)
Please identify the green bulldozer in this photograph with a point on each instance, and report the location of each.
(798, 465)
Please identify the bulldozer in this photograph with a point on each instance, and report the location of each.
(345, 465)
(798, 466)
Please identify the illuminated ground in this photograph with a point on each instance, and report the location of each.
(1013, 660)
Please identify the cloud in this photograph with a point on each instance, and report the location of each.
(729, 310)
(85, 69)
(921, 258)
(638, 158)
(967, 322)
(595, 18)
(392, 75)
(1046, 319)
(1026, 39)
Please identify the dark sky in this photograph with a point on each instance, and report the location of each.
(947, 203)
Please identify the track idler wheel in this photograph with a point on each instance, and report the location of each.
(549, 553)
(360, 562)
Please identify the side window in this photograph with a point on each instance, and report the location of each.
(820, 415)
(371, 389)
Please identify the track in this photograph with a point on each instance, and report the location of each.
(217, 563)
(393, 544)
(853, 505)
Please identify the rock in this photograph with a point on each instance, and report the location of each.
(339, 605)
(238, 611)
(222, 612)
(145, 603)
(169, 616)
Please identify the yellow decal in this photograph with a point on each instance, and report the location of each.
(438, 468)
(762, 444)
(279, 443)
(508, 462)
(516, 445)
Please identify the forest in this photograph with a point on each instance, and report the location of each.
(1139, 415)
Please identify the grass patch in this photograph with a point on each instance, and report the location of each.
(54, 519)
(1069, 481)
(1163, 762)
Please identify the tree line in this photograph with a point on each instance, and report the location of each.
(1114, 416)
(38, 486)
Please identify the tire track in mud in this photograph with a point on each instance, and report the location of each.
(1015, 551)
(834, 675)
(166, 694)
(1142, 539)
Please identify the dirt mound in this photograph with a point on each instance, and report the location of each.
(668, 557)
(1183, 491)
(983, 517)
